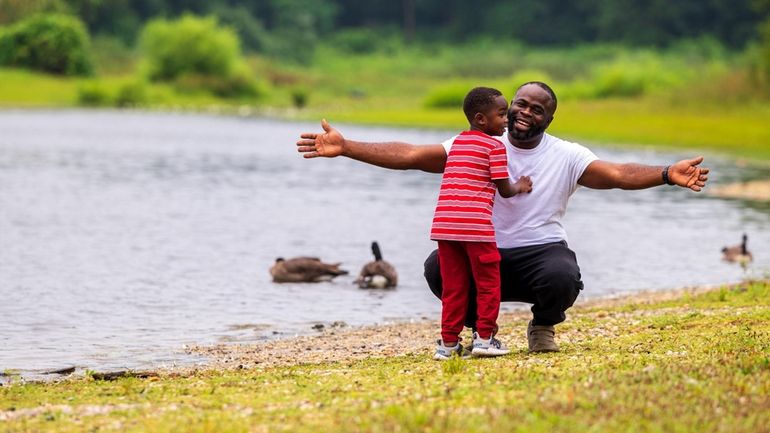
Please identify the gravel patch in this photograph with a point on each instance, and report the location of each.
(399, 339)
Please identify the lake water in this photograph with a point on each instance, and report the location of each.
(125, 236)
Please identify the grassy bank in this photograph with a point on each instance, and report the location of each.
(694, 96)
(696, 361)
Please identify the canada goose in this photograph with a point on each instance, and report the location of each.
(737, 253)
(304, 270)
(377, 274)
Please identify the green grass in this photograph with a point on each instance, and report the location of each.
(694, 363)
(20, 88)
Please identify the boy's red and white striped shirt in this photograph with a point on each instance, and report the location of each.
(464, 209)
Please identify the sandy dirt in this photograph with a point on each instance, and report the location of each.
(349, 344)
(757, 190)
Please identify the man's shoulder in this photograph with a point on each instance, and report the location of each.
(563, 145)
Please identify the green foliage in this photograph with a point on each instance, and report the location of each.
(454, 365)
(133, 94)
(112, 56)
(196, 53)
(16, 10)
(362, 40)
(764, 50)
(93, 94)
(249, 28)
(189, 45)
(297, 26)
(450, 95)
(299, 97)
(57, 44)
(237, 85)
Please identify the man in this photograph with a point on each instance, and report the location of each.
(536, 267)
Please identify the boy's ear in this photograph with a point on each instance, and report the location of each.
(479, 119)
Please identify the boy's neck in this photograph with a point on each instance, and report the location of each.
(477, 128)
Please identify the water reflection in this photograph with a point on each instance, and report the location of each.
(125, 236)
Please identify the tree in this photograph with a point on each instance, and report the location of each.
(55, 43)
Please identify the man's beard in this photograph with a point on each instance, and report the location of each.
(532, 132)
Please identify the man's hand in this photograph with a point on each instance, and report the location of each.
(687, 173)
(328, 144)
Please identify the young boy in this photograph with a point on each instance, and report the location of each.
(462, 224)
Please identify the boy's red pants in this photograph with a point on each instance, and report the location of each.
(459, 262)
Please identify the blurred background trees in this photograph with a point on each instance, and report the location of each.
(595, 48)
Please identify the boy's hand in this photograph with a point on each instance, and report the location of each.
(524, 184)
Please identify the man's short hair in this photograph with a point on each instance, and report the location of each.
(545, 87)
(479, 100)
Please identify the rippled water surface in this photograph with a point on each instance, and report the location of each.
(125, 236)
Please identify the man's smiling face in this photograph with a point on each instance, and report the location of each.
(530, 113)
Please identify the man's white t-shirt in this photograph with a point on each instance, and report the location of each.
(554, 167)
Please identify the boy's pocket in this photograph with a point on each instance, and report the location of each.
(490, 258)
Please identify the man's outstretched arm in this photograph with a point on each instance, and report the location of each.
(396, 155)
(686, 173)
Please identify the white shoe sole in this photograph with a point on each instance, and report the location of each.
(478, 352)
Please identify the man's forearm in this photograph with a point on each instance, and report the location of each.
(397, 155)
(607, 175)
(638, 176)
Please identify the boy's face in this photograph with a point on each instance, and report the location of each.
(496, 118)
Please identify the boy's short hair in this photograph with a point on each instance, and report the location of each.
(478, 100)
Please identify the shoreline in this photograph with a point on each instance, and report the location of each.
(344, 344)
(349, 344)
(664, 360)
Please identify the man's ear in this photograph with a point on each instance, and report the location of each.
(549, 122)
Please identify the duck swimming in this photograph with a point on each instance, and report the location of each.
(378, 274)
(304, 270)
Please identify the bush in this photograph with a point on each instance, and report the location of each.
(132, 95)
(299, 97)
(189, 46)
(57, 44)
(235, 86)
(93, 94)
(197, 54)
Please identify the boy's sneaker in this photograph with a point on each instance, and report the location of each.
(488, 347)
(443, 352)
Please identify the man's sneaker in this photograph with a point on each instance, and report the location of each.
(540, 338)
(488, 347)
(443, 352)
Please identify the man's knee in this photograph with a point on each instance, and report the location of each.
(433, 273)
(561, 280)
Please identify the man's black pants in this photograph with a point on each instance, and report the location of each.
(546, 276)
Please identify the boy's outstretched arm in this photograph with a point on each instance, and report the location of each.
(395, 155)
